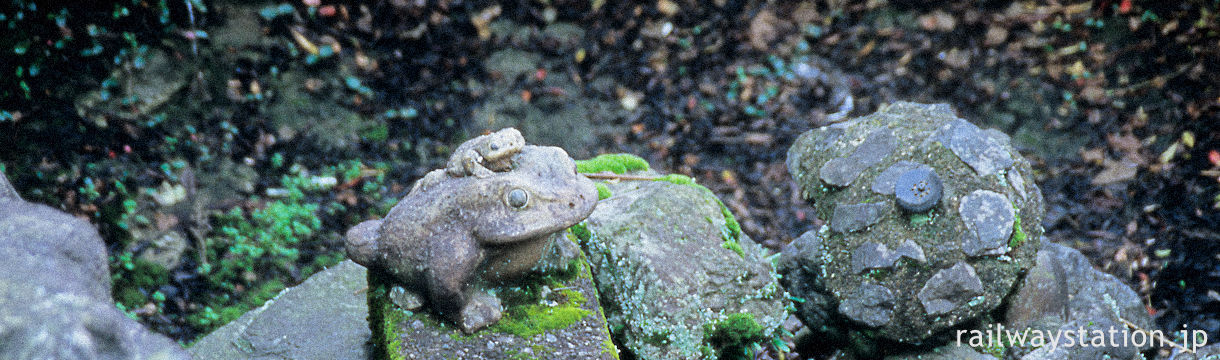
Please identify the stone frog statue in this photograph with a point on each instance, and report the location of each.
(449, 241)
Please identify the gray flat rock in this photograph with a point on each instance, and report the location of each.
(855, 217)
(983, 150)
(871, 304)
(876, 147)
(989, 218)
(950, 288)
(659, 256)
(884, 183)
(873, 255)
(910, 250)
(1064, 293)
(322, 318)
(1017, 182)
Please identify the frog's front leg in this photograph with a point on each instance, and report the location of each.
(452, 265)
(464, 163)
(479, 171)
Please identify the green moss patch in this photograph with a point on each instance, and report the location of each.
(529, 310)
(603, 191)
(736, 337)
(526, 321)
(615, 163)
(1018, 236)
(581, 232)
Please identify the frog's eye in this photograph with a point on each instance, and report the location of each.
(518, 198)
(495, 146)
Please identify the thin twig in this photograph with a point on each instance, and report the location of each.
(1160, 336)
(605, 175)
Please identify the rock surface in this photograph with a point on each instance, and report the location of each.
(1209, 352)
(322, 318)
(947, 352)
(1063, 292)
(7, 192)
(55, 291)
(660, 258)
(944, 265)
(552, 317)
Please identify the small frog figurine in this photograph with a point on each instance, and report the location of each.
(481, 157)
(450, 241)
(485, 154)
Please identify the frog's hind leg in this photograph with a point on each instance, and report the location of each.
(360, 242)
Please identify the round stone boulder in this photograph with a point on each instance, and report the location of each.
(930, 222)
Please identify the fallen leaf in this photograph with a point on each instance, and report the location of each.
(1125, 143)
(1168, 154)
(1115, 172)
(1093, 156)
(164, 221)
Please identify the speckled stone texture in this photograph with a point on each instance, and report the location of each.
(907, 274)
(660, 262)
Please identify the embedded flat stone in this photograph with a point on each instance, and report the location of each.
(854, 217)
(875, 147)
(874, 255)
(1017, 182)
(871, 255)
(830, 135)
(909, 249)
(884, 183)
(985, 152)
(950, 288)
(871, 304)
(878, 145)
(989, 219)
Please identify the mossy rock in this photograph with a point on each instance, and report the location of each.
(55, 296)
(883, 269)
(556, 316)
(669, 260)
